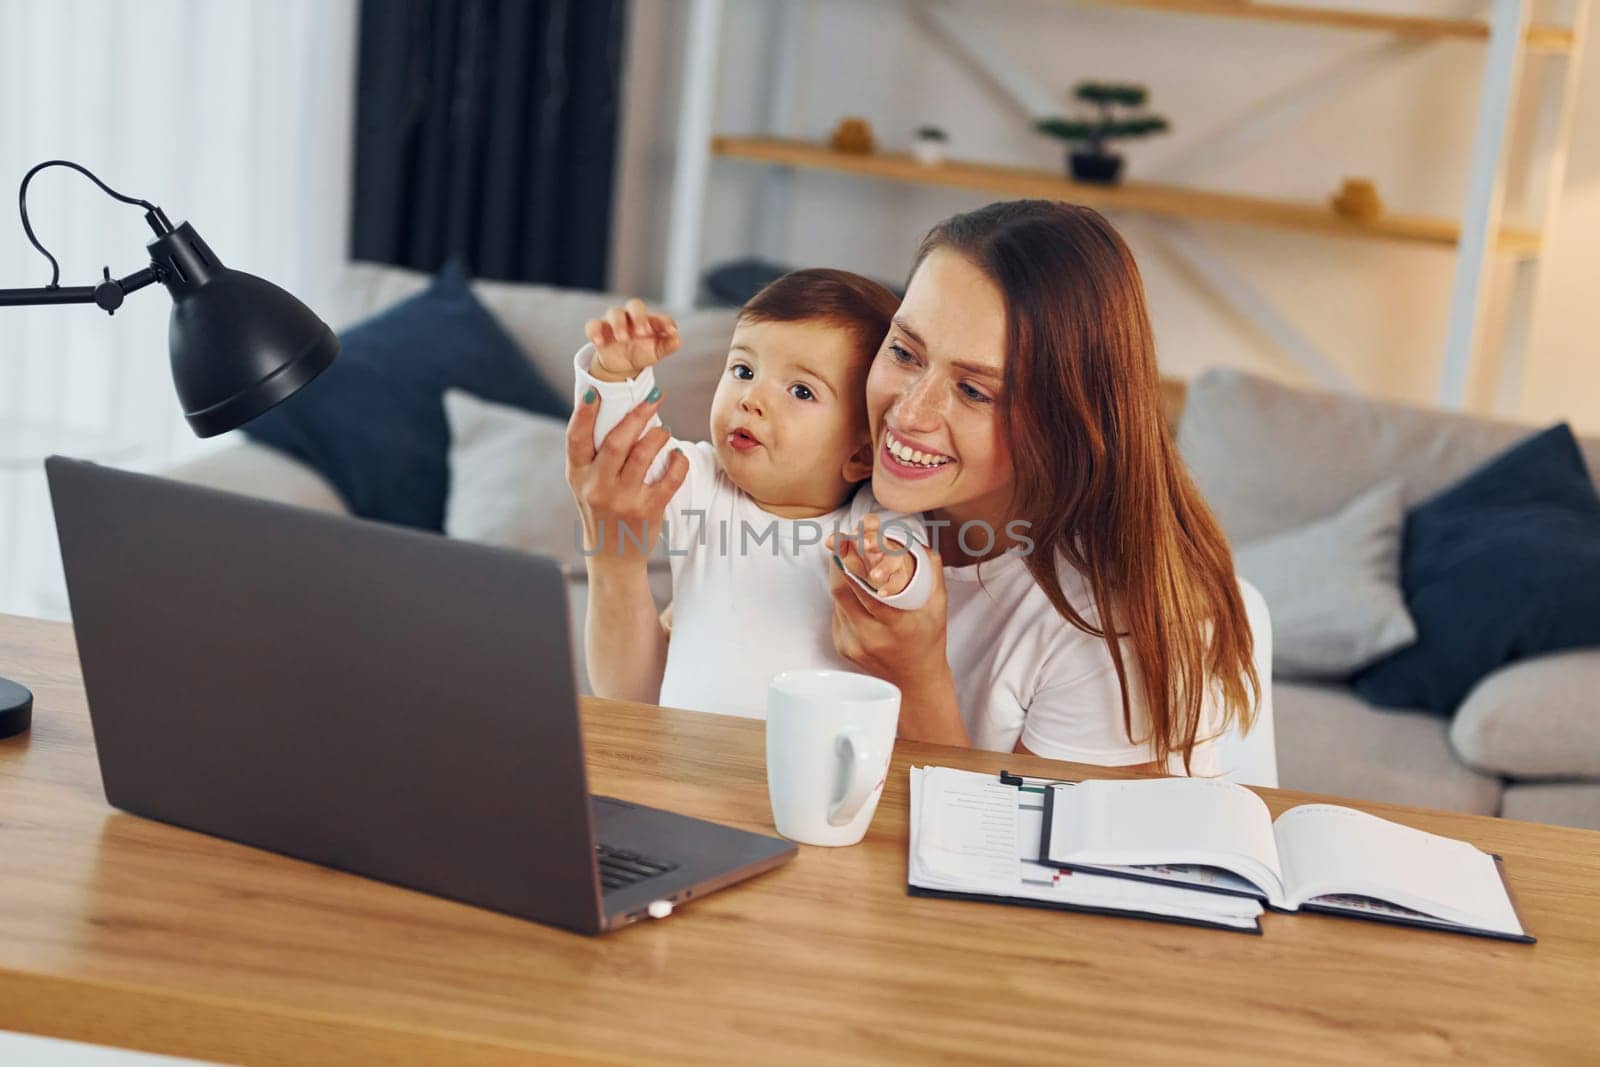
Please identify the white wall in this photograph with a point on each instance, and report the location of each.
(1378, 308)
(235, 116)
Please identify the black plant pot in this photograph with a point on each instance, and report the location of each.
(1101, 168)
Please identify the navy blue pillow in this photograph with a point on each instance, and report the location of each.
(1503, 565)
(373, 423)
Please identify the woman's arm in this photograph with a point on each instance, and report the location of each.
(624, 642)
(903, 647)
(1153, 767)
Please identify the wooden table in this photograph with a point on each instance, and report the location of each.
(126, 932)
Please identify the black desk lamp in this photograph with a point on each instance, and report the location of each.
(239, 344)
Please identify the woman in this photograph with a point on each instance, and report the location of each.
(1022, 360)
(1021, 367)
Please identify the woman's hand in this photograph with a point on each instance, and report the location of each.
(621, 515)
(903, 647)
(625, 643)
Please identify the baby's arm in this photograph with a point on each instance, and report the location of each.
(617, 367)
(615, 399)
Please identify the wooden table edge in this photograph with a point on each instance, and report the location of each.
(228, 1030)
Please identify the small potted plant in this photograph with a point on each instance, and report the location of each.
(1092, 163)
(929, 144)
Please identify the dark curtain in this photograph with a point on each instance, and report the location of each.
(486, 130)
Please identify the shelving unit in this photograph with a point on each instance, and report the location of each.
(1536, 38)
(1477, 240)
(1145, 197)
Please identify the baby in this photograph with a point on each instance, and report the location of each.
(789, 452)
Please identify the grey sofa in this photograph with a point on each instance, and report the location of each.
(1526, 742)
(1515, 749)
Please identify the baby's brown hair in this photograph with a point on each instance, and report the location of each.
(859, 305)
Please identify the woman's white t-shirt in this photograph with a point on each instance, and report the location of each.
(1022, 672)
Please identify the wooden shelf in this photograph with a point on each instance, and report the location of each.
(1537, 38)
(1150, 199)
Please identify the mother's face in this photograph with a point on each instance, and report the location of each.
(934, 397)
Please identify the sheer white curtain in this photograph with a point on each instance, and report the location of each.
(233, 115)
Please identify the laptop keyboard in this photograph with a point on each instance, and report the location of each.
(619, 868)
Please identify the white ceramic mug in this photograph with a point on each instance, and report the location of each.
(829, 738)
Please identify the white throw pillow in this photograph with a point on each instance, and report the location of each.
(1534, 719)
(1333, 587)
(508, 483)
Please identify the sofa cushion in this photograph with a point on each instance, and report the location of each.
(1536, 719)
(1271, 457)
(1559, 804)
(508, 483)
(373, 423)
(1334, 588)
(547, 322)
(1330, 741)
(1502, 566)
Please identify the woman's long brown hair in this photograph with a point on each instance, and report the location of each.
(1097, 475)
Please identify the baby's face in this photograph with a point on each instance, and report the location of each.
(789, 416)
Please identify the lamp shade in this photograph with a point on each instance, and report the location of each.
(239, 344)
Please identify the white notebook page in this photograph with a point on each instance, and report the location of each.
(968, 830)
(1329, 849)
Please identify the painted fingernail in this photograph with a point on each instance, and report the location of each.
(590, 396)
(654, 394)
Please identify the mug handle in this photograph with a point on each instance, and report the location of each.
(859, 777)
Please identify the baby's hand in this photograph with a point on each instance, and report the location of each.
(890, 565)
(629, 340)
(889, 572)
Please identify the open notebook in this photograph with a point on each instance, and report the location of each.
(1219, 837)
(975, 837)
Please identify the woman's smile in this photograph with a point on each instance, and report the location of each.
(902, 459)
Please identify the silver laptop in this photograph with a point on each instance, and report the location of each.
(376, 699)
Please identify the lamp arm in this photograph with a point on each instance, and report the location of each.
(60, 294)
(108, 295)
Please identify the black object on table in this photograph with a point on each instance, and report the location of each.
(16, 708)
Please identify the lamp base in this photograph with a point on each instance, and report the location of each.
(16, 708)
